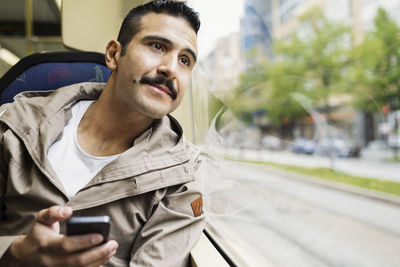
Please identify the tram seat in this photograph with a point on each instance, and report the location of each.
(52, 70)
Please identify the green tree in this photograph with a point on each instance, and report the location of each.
(320, 47)
(376, 73)
(310, 61)
(248, 96)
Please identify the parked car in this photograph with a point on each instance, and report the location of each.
(377, 150)
(303, 146)
(271, 142)
(337, 147)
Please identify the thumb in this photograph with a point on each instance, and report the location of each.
(53, 215)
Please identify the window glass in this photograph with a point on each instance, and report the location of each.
(297, 112)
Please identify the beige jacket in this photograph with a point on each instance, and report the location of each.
(147, 191)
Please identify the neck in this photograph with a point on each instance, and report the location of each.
(108, 129)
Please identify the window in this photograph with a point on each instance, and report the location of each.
(302, 150)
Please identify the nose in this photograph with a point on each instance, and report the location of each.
(168, 67)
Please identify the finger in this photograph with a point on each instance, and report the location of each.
(100, 255)
(68, 244)
(92, 257)
(103, 260)
(54, 214)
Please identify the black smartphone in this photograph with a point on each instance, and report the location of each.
(89, 225)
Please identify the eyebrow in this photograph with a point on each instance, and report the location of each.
(168, 42)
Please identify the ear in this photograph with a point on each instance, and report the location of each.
(113, 53)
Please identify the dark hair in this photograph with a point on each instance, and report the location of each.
(131, 24)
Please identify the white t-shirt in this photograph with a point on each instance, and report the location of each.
(73, 166)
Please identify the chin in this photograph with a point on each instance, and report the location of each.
(155, 109)
(156, 114)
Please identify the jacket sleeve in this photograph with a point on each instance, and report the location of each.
(5, 241)
(173, 229)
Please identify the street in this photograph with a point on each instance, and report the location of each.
(268, 219)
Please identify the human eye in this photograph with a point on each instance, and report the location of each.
(185, 60)
(157, 46)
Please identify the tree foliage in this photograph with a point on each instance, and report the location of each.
(309, 61)
(375, 76)
(320, 61)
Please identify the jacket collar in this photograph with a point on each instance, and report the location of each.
(38, 118)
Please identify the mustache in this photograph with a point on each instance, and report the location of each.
(162, 81)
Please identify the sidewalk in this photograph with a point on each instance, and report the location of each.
(353, 166)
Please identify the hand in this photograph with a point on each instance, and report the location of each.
(45, 246)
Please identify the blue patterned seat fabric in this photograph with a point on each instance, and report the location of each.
(34, 73)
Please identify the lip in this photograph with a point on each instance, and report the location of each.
(161, 88)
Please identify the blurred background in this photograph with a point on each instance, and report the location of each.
(298, 111)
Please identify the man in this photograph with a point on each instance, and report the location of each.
(95, 149)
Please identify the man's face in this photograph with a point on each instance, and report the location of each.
(155, 71)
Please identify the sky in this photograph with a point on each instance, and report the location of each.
(218, 18)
